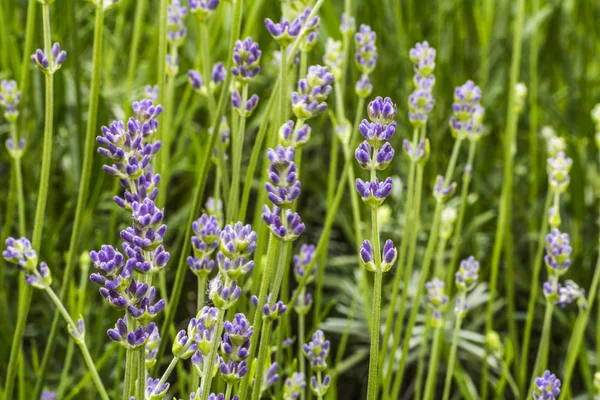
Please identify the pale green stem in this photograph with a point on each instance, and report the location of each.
(452, 357)
(238, 144)
(372, 389)
(262, 357)
(319, 379)
(433, 365)
(533, 291)
(422, 352)
(301, 335)
(542, 354)
(82, 195)
(167, 373)
(18, 181)
(132, 65)
(214, 345)
(509, 153)
(40, 211)
(228, 391)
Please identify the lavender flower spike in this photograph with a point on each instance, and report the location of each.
(10, 97)
(374, 193)
(316, 351)
(49, 63)
(203, 9)
(547, 387)
(20, 253)
(310, 99)
(423, 58)
(366, 49)
(294, 386)
(246, 60)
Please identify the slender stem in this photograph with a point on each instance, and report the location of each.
(283, 86)
(433, 365)
(273, 248)
(319, 380)
(40, 211)
(372, 389)
(262, 357)
(167, 135)
(542, 354)
(81, 343)
(452, 358)
(18, 181)
(228, 391)
(422, 352)
(27, 50)
(533, 291)
(162, 63)
(214, 345)
(301, 335)
(132, 65)
(128, 371)
(82, 195)
(233, 200)
(167, 373)
(509, 153)
(140, 383)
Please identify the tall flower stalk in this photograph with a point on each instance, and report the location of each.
(83, 186)
(438, 301)
(374, 154)
(48, 61)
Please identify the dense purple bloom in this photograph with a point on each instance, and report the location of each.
(366, 50)
(375, 133)
(49, 63)
(236, 338)
(547, 387)
(201, 266)
(20, 253)
(10, 96)
(206, 235)
(224, 295)
(467, 119)
(176, 30)
(284, 186)
(130, 339)
(274, 219)
(310, 98)
(271, 312)
(316, 351)
(246, 60)
(147, 309)
(238, 241)
(375, 192)
(378, 161)
(382, 111)
(558, 252)
(234, 269)
(423, 58)
(468, 274)
(232, 371)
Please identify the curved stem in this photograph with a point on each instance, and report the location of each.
(452, 358)
(533, 291)
(509, 153)
(82, 193)
(433, 364)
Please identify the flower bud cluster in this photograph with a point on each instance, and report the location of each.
(467, 119)
(316, 352)
(217, 78)
(437, 301)
(466, 279)
(421, 101)
(20, 253)
(365, 54)
(10, 97)
(302, 262)
(310, 99)
(285, 32)
(49, 63)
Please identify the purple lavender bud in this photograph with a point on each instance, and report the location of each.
(176, 29)
(195, 79)
(303, 303)
(231, 371)
(547, 387)
(251, 105)
(441, 192)
(218, 73)
(41, 280)
(203, 9)
(284, 187)
(382, 111)
(558, 252)
(310, 99)
(320, 388)
(302, 261)
(151, 92)
(294, 386)
(558, 172)
(270, 377)
(236, 339)
(152, 348)
(224, 295)
(154, 391)
(20, 253)
(202, 266)
(423, 58)
(236, 100)
(366, 256)
(570, 293)
(206, 235)
(418, 154)
(234, 269)
(363, 155)
(199, 361)
(184, 346)
(273, 218)
(49, 66)
(316, 351)
(130, 339)
(374, 193)
(420, 104)
(388, 255)
(146, 311)
(436, 295)
(238, 241)
(284, 32)
(363, 87)
(294, 137)
(348, 25)
(366, 49)
(375, 133)
(467, 119)
(10, 96)
(48, 395)
(246, 60)
(309, 42)
(468, 274)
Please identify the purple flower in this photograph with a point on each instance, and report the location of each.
(547, 387)
(198, 362)
(130, 339)
(310, 99)
(195, 78)
(271, 312)
(246, 60)
(14, 151)
(374, 193)
(206, 235)
(224, 295)
(378, 161)
(203, 9)
(20, 253)
(294, 137)
(270, 377)
(468, 274)
(184, 346)
(316, 351)
(236, 339)
(347, 25)
(48, 395)
(382, 111)
(375, 133)
(302, 261)
(10, 96)
(152, 347)
(436, 295)
(201, 266)
(320, 388)
(388, 256)
(366, 50)
(246, 109)
(441, 191)
(558, 252)
(363, 87)
(423, 58)
(289, 232)
(420, 104)
(284, 32)
(570, 293)
(467, 119)
(303, 303)
(234, 269)
(284, 186)
(42, 279)
(558, 172)
(232, 371)
(49, 63)
(238, 241)
(176, 30)
(155, 391)
(151, 92)
(294, 386)
(146, 311)
(420, 153)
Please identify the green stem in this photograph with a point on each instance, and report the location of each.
(40, 212)
(319, 380)
(509, 154)
(372, 389)
(214, 345)
(167, 373)
(82, 195)
(128, 371)
(422, 353)
(467, 174)
(238, 144)
(18, 181)
(81, 343)
(301, 335)
(533, 291)
(452, 357)
(273, 248)
(262, 357)
(433, 365)
(162, 64)
(167, 136)
(283, 87)
(228, 391)
(27, 50)
(542, 354)
(132, 65)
